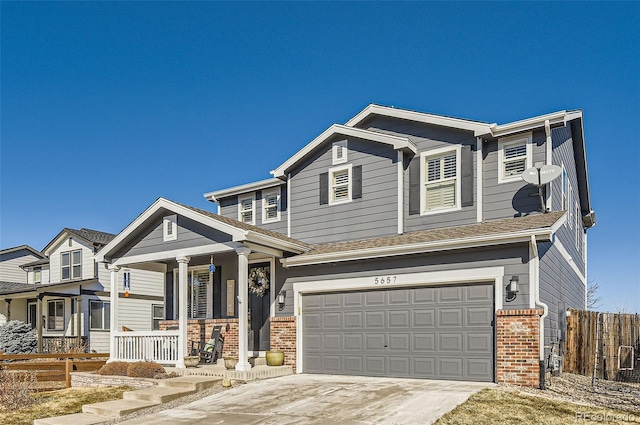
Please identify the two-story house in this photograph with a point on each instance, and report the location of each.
(399, 244)
(64, 280)
(12, 276)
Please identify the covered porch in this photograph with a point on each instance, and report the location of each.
(207, 261)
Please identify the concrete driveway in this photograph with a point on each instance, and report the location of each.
(323, 399)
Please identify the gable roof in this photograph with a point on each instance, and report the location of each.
(495, 232)
(239, 231)
(95, 237)
(236, 190)
(22, 247)
(397, 142)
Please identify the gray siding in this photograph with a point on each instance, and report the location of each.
(190, 234)
(10, 263)
(375, 214)
(428, 137)
(558, 283)
(229, 208)
(513, 258)
(563, 154)
(511, 199)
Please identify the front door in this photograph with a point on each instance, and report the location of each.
(259, 311)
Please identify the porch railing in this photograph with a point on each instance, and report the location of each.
(64, 344)
(156, 346)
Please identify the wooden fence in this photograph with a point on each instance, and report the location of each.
(615, 337)
(57, 369)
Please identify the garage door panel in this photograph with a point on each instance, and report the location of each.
(435, 332)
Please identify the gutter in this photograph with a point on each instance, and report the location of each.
(536, 279)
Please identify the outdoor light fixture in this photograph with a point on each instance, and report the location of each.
(512, 288)
(281, 298)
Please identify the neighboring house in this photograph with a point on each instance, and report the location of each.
(399, 244)
(66, 280)
(11, 275)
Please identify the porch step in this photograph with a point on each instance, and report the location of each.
(158, 394)
(194, 382)
(117, 408)
(74, 419)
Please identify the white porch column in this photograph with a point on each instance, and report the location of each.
(113, 311)
(183, 270)
(243, 309)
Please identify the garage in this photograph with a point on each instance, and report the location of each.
(431, 332)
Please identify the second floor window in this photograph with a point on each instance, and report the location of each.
(441, 181)
(340, 182)
(271, 206)
(71, 264)
(37, 275)
(514, 156)
(246, 208)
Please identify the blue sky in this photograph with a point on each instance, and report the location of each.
(107, 106)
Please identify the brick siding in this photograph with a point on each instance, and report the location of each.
(202, 329)
(283, 338)
(518, 355)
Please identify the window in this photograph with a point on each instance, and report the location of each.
(339, 152)
(32, 314)
(246, 207)
(170, 228)
(271, 206)
(55, 317)
(37, 275)
(199, 293)
(157, 314)
(514, 156)
(71, 263)
(99, 315)
(340, 185)
(440, 176)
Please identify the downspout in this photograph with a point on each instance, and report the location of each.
(538, 302)
(549, 160)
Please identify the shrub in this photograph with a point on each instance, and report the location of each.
(114, 368)
(17, 337)
(16, 389)
(144, 370)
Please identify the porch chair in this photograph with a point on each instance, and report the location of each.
(210, 351)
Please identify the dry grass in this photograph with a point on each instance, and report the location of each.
(60, 402)
(497, 406)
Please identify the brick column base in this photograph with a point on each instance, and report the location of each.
(518, 355)
(283, 338)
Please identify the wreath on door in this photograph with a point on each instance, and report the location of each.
(259, 281)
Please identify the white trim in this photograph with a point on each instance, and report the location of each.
(170, 228)
(215, 196)
(565, 254)
(289, 205)
(481, 128)
(333, 171)
(549, 158)
(252, 197)
(446, 277)
(265, 194)
(398, 143)
(479, 179)
(554, 118)
(513, 140)
(340, 146)
(173, 253)
(417, 248)
(400, 167)
(423, 183)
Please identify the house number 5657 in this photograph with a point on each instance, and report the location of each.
(382, 280)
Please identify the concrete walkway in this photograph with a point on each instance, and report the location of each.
(323, 399)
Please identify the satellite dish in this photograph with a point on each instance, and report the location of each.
(549, 173)
(531, 176)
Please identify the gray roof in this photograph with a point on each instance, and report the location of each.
(21, 247)
(486, 229)
(10, 287)
(94, 236)
(40, 262)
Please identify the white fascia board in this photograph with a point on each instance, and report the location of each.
(276, 243)
(555, 118)
(398, 143)
(62, 236)
(477, 127)
(417, 248)
(236, 234)
(236, 190)
(174, 253)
